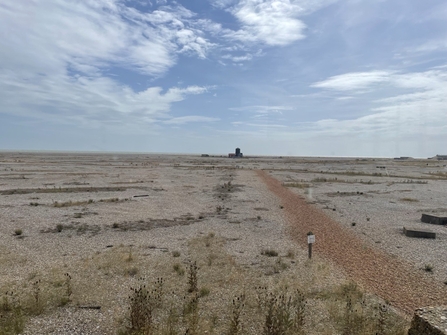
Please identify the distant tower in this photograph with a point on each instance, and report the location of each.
(238, 152)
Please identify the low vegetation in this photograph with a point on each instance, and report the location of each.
(198, 297)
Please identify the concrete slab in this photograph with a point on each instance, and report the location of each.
(439, 220)
(418, 232)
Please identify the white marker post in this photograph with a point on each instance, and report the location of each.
(310, 241)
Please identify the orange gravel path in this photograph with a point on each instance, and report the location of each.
(393, 279)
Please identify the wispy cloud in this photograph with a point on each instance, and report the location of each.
(354, 81)
(261, 109)
(416, 103)
(190, 118)
(58, 54)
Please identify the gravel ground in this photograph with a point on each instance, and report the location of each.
(393, 279)
(183, 198)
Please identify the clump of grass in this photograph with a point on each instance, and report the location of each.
(236, 313)
(428, 268)
(269, 252)
(141, 311)
(176, 253)
(178, 268)
(18, 232)
(284, 313)
(296, 185)
(290, 254)
(132, 271)
(59, 227)
(36, 307)
(35, 204)
(409, 200)
(12, 319)
(204, 291)
(192, 277)
(66, 298)
(280, 266)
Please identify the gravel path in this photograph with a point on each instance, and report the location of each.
(393, 279)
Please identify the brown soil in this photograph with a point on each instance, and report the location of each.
(393, 279)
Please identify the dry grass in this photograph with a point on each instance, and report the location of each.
(409, 199)
(218, 297)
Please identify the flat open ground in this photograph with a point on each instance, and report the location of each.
(108, 220)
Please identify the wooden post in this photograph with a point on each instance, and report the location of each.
(310, 241)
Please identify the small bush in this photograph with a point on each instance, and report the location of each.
(178, 268)
(132, 272)
(192, 278)
(269, 253)
(18, 232)
(204, 291)
(428, 268)
(59, 227)
(176, 253)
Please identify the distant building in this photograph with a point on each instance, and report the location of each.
(237, 154)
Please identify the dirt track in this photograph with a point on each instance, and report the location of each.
(405, 287)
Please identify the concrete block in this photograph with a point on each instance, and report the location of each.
(417, 232)
(427, 218)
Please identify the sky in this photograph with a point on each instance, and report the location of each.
(357, 78)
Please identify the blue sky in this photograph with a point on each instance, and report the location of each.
(273, 77)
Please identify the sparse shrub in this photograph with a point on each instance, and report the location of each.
(428, 268)
(68, 290)
(176, 253)
(284, 313)
(18, 232)
(409, 199)
(269, 252)
(290, 254)
(115, 225)
(37, 307)
(132, 272)
(59, 227)
(141, 311)
(235, 322)
(192, 278)
(280, 266)
(204, 291)
(77, 215)
(178, 268)
(12, 319)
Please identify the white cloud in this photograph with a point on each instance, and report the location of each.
(273, 22)
(354, 81)
(419, 112)
(55, 54)
(262, 109)
(190, 118)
